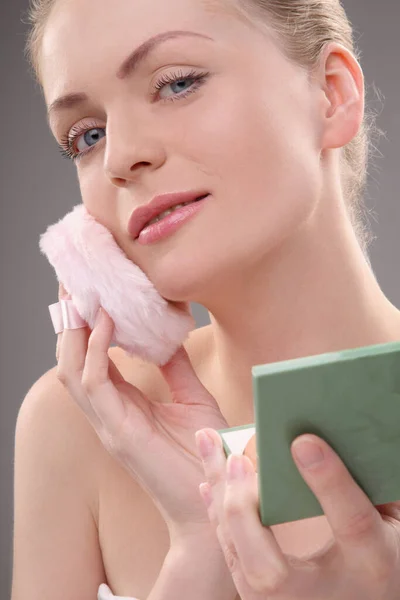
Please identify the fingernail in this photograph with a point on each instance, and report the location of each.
(308, 453)
(236, 468)
(205, 444)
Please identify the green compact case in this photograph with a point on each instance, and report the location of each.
(351, 399)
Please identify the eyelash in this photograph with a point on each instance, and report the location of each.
(67, 141)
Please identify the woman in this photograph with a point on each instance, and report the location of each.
(261, 106)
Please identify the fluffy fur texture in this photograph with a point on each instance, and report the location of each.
(96, 272)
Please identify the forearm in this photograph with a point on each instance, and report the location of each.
(194, 572)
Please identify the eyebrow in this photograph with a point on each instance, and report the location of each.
(129, 65)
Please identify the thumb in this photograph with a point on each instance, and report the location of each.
(355, 522)
(185, 386)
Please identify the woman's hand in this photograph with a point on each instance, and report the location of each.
(153, 441)
(361, 563)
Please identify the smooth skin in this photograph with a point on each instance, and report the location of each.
(272, 255)
(156, 444)
(361, 563)
(127, 422)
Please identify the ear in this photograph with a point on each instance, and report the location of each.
(342, 83)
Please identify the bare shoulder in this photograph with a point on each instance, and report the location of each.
(48, 399)
(56, 550)
(131, 533)
(49, 406)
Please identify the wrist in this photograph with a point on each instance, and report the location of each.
(195, 537)
(195, 568)
(204, 563)
(202, 547)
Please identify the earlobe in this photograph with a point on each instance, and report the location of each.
(344, 93)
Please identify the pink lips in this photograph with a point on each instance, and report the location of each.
(170, 223)
(142, 215)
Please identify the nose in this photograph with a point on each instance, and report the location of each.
(131, 152)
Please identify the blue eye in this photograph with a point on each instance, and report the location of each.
(179, 78)
(88, 131)
(91, 132)
(94, 133)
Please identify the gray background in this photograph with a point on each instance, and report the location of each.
(38, 187)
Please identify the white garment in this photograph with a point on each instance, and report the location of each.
(105, 593)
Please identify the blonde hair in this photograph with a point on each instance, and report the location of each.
(302, 28)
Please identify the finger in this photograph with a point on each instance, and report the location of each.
(206, 494)
(58, 346)
(71, 353)
(238, 551)
(213, 458)
(233, 563)
(227, 545)
(104, 398)
(390, 509)
(262, 560)
(123, 416)
(114, 373)
(356, 524)
(91, 376)
(182, 379)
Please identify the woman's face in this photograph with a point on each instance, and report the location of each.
(246, 130)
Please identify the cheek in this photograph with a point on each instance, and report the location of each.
(104, 209)
(97, 194)
(263, 162)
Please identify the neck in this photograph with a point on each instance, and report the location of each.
(315, 294)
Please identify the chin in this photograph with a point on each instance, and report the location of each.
(173, 291)
(176, 277)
